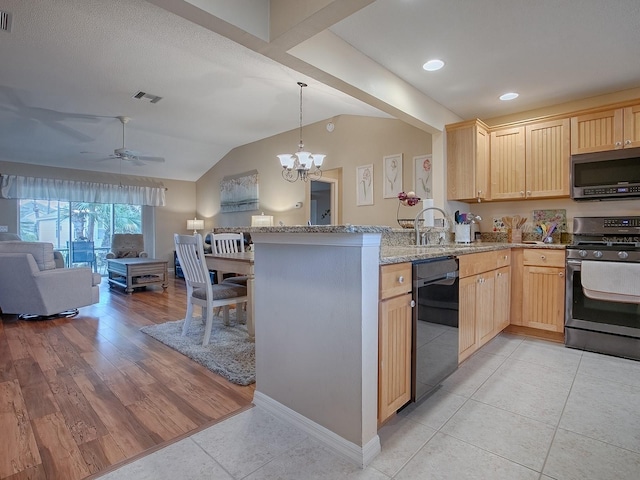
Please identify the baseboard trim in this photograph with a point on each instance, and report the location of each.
(536, 333)
(351, 452)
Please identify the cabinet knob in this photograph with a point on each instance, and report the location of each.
(561, 274)
(542, 257)
(400, 279)
(499, 274)
(413, 303)
(627, 142)
(522, 193)
(528, 193)
(618, 144)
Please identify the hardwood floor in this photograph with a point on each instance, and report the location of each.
(79, 395)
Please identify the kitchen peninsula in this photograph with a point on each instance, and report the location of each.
(316, 322)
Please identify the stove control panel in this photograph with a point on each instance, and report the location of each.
(621, 222)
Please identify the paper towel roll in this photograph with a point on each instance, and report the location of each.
(428, 215)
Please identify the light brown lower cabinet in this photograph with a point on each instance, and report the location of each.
(502, 299)
(539, 274)
(485, 287)
(394, 339)
(543, 283)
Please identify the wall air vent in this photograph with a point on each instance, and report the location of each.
(147, 96)
(5, 21)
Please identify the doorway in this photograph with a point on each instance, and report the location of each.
(323, 198)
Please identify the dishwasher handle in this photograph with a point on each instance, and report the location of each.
(448, 279)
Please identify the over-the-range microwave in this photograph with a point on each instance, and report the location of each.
(609, 175)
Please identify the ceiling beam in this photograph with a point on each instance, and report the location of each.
(304, 44)
(291, 22)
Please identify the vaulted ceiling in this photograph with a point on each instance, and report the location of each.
(227, 70)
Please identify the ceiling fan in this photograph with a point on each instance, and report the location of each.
(132, 156)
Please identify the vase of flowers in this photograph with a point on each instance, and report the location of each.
(409, 199)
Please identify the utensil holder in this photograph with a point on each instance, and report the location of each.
(463, 233)
(514, 235)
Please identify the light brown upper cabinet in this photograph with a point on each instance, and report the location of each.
(631, 127)
(530, 161)
(507, 163)
(547, 159)
(606, 130)
(468, 161)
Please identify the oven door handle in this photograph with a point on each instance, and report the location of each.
(576, 264)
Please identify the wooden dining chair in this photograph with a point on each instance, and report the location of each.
(228, 243)
(190, 252)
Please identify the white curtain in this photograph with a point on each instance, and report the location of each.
(15, 186)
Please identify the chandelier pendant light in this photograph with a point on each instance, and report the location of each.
(301, 165)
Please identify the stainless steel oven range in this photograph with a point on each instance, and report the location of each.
(602, 312)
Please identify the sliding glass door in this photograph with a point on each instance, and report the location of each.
(86, 226)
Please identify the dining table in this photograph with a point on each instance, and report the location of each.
(240, 263)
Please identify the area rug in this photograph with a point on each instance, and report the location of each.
(230, 352)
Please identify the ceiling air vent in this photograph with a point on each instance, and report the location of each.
(5, 21)
(147, 96)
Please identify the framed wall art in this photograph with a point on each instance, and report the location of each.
(239, 193)
(392, 173)
(422, 178)
(364, 185)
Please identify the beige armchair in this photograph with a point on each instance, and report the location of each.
(127, 245)
(31, 285)
(12, 237)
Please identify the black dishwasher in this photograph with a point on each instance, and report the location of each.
(435, 323)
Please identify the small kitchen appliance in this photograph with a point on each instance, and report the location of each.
(602, 306)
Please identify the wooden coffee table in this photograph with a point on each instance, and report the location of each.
(132, 273)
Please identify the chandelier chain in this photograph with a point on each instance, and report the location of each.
(302, 85)
(302, 165)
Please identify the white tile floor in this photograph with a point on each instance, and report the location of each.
(518, 409)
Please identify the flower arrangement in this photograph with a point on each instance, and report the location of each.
(409, 199)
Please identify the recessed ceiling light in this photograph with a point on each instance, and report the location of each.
(433, 65)
(508, 96)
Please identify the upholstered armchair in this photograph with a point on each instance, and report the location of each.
(31, 285)
(13, 237)
(127, 245)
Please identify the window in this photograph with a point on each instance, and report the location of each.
(63, 222)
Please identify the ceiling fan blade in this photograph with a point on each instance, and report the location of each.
(12, 97)
(146, 158)
(81, 137)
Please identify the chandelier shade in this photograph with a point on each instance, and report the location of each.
(301, 165)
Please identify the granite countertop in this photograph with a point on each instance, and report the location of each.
(347, 228)
(398, 252)
(410, 253)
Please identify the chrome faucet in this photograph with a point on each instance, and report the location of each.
(416, 225)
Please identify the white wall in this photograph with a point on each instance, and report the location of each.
(317, 328)
(355, 141)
